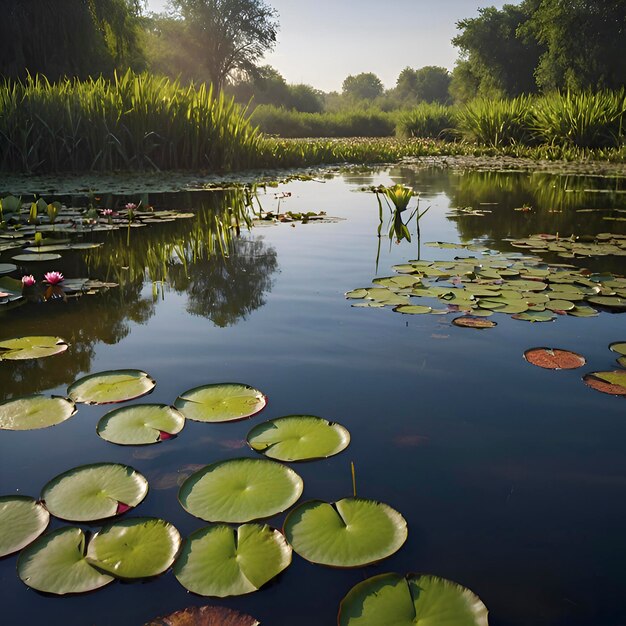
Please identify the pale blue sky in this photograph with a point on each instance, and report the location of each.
(320, 42)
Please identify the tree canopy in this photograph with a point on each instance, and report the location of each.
(364, 86)
(231, 34)
(427, 84)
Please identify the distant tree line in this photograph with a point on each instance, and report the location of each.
(529, 47)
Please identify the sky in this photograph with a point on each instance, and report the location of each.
(321, 42)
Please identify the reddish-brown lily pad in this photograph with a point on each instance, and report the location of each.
(613, 383)
(554, 358)
(205, 616)
(473, 322)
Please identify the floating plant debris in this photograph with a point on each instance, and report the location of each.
(94, 492)
(240, 490)
(224, 402)
(22, 520)
(140, 424)
(554, 358)
(222, 561)
(298, 438)
(350, 533)
(205, 616)
(35, 411)
(111, 387)
(411, 599)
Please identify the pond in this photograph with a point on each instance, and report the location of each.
(512, 478)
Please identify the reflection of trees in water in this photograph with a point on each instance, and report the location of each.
(83, 323)
(226, 289)
(428, 182)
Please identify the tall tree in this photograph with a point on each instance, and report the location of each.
(69, 37)
(493, 53)
(364, 86)
(427, 84)
(585, 42)
(233, 34)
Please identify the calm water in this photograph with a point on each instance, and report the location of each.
(512, 478)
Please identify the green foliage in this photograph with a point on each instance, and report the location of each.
(232, 34)
(364, 86)
(133, 122)
(428, 84)
(427, 120)
(69, 37)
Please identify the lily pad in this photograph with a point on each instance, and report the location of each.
(94, 492)
(240, 490)
(473, 322)
(7, 268)
(224, 402)
(408, 600)
(612, 383)
(111, 387)
(140, 547)
(535, 316)
(610, 302)
(413, 309)
(22, 520)
(36, 258)
(140, 424)
(554, 358)
(205, 616)
(349, 533)
(35, 411)
(56, 563)
(619, 347)
(22, 348)
(299, 438)
(222, 561)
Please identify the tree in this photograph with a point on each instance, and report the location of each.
(74, 38)
(364, 86)
(427, 84)
(233, 34)
(584, 43)
(493, 53)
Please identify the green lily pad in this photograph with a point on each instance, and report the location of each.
(22, 348)
(349, 533)
(140, 424)
(224, 402)
(612, 383)
(583, 311)
(94, 492)
(205, 616)
(139, 547)
(409, 600)
(299, 438)
(610, 302)
(356, 294)
(22, 520)
(56, 563)
(413, 309)
(35, 411)
(222, 561)
(535, 316)
(7, 268)
(36, 258)
(240, 490)
(111, 387)
(619, 347)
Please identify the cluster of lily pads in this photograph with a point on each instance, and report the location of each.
(574, 247)
(516, 284)
(235, 554)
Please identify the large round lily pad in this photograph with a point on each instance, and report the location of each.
(111, 387)
(22, 348)
(222, 561)
(205, 616)
(33, 412)
(223, 402)
(139, 547)
(410, 600)
(240, 490)
(619, 347)
(94, 492)
(22, 520)
(298, 438)
(612, 383)
(554, 358)
(140, 424)
(473, 322)
(349, 533)
(56, 563)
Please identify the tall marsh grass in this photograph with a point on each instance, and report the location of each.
(132, 122)
(432, 120)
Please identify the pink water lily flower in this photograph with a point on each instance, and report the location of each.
(28, 281)
(107, 212)
(54, 278)
(131, 206)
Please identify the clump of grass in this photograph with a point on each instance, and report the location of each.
(428, 120)
(132, 122)
(586, 120)
(497, 123)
